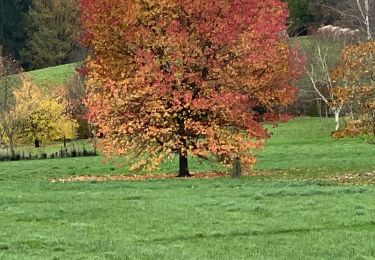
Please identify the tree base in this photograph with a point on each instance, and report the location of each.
(184, 176)
(237, 169)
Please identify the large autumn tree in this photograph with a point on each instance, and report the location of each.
(185, 77)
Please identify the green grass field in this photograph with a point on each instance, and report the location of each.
(292, 208)
(53, 76)
(305, 143)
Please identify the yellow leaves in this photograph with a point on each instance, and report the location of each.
(50, 122)
(356, 61)
(138, 165)
(24, 103)
(43, 116)
(35, 115)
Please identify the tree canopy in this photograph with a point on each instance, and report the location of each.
(185, 77)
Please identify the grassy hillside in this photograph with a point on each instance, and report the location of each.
(289, 212)
(53, 76)
(306, 143)
(309, 45)
(309, 42)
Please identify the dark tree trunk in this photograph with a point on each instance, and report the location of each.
(64, 142)
(183, 164)
(184, 167)
(37, 143)
(237, 170)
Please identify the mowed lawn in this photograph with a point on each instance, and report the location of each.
(290, 209)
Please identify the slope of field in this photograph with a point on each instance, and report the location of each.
(53, 76)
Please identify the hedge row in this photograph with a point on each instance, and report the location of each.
(63, 153)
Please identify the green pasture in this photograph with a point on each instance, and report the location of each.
(53, 76)
(292, 208)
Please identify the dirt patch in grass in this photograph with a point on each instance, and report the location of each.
(200, 175)
(356, 178)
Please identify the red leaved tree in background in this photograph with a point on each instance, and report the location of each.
(183, 77)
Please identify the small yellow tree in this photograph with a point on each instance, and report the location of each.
(48, 122)
(33, 115)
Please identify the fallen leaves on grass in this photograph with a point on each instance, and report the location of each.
(356, 178)
(200, 175)
(367, 178)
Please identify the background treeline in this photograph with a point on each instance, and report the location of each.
(306, 16)
(44, 33)
(40, 33)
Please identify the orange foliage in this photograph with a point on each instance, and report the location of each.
(355, 80)
(183, 77)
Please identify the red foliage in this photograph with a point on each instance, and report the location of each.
(183, 76)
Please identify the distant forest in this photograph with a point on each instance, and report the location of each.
(43, 33)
